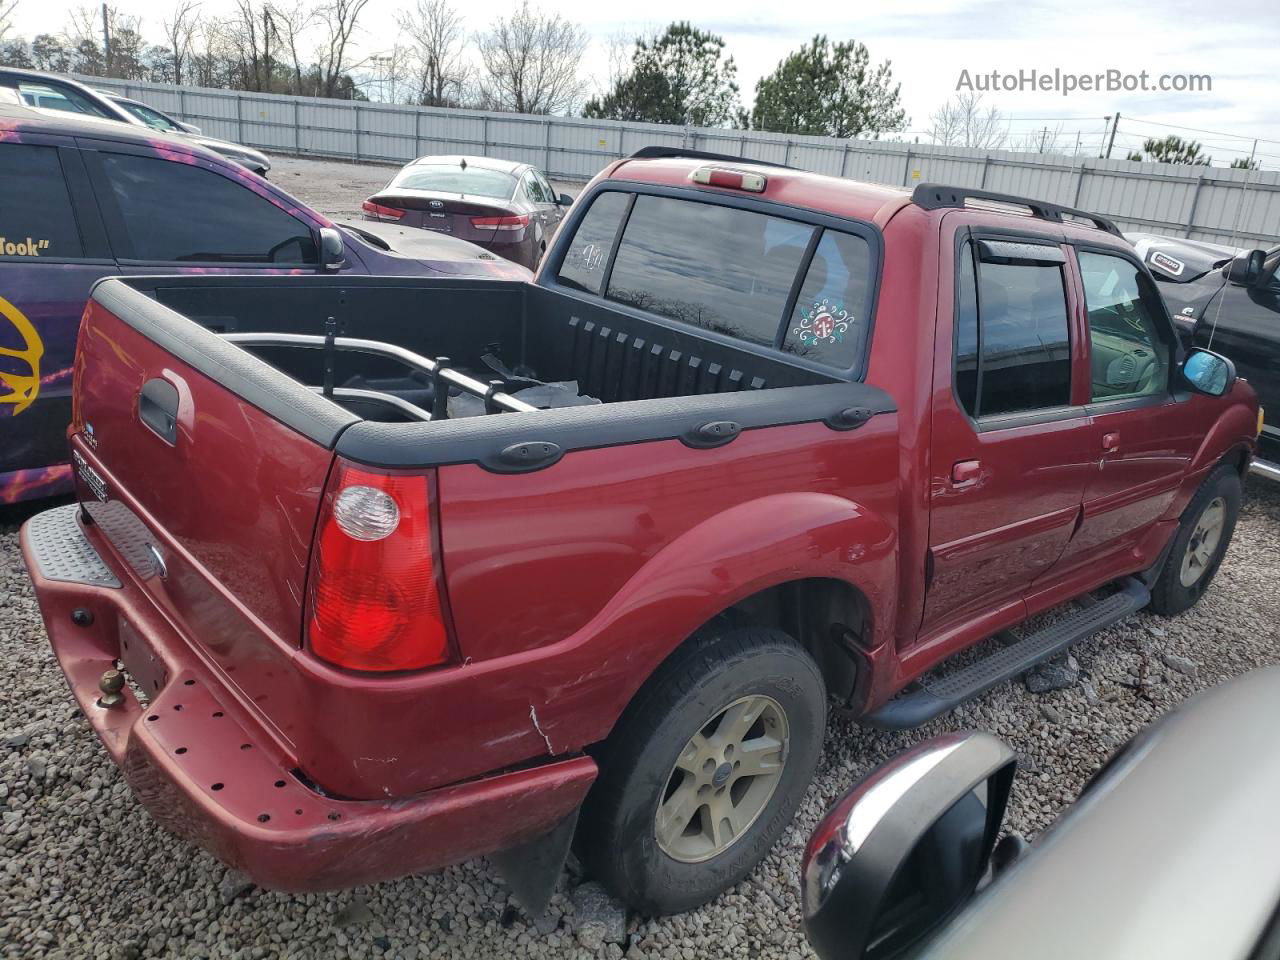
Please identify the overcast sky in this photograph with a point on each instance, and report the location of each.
(1236, 42)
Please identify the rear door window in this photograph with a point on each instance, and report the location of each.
(830, 321)
(180, 213)
(714, 267)
(36, 217)
(1013, 349)
(588, 254)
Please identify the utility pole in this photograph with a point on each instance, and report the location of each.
(106, 43)
(1115, 123)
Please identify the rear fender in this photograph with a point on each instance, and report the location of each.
(724, 559)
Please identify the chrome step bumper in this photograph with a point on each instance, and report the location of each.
(60, 551)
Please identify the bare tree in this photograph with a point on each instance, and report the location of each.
(119, 54)
(292, 23)
(6, 16)
(339, 19)
(254, 28)
(213, 54)
(180, 32)
(963, 122)
(530, 63)
(1044, 140)
(436, 38)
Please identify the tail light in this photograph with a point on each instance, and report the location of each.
(380, 212)
(501, 223)
(373, 597)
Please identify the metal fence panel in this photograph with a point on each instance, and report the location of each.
(1206, 203)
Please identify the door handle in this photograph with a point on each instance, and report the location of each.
(158, 409)
(1111, 443)
(965, 471)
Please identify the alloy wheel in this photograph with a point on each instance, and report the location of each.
(722, 780)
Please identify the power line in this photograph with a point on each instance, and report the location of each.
(1216, 133)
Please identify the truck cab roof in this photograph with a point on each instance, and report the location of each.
(854, 199)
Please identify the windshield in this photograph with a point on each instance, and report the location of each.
(450, 178)
(152, 118)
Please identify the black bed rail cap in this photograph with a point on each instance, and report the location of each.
(676, 153)
(936, 196)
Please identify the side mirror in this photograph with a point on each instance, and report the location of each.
(565, 200)
(908, 845)
(332, 253)
(189, 127)
(1246, 269)
(1208, 372)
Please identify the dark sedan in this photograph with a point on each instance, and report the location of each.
(508, 208)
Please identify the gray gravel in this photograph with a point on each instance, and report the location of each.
(85, 873)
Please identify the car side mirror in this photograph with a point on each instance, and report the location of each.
(332, 251)
(1246, 269)
(188, 127)
(1208, 372)
(565, 200)
(905, 847)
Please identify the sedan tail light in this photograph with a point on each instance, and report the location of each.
(373, 595)
(380, 212)
(501, 223)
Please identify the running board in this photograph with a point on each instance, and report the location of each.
(938, 696)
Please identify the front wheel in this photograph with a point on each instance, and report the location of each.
(1201, 542)
(705, 770)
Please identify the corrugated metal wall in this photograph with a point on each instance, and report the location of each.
(1205, 203)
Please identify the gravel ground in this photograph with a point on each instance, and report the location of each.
(85, 873)
(337, 187)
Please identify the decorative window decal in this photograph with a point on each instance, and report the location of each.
(825, 322)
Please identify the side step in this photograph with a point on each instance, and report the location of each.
(936, 697)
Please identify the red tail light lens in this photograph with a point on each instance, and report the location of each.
(379, 212)
(374, 602)
(501, 223)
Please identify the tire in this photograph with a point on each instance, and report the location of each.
(757, 676)
(1193, 560)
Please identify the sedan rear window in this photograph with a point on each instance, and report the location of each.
(453, 178)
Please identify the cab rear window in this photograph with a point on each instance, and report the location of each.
(762, 279)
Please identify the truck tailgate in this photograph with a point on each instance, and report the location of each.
(205, 494)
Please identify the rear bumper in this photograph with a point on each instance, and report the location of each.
(205, 769)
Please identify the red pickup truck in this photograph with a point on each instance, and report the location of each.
(406, 571)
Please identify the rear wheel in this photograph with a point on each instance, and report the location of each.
(1203, 536)
(704, 770)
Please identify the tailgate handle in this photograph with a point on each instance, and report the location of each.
(158, 409)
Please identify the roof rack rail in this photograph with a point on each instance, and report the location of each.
(675, 153)
(936, 196)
